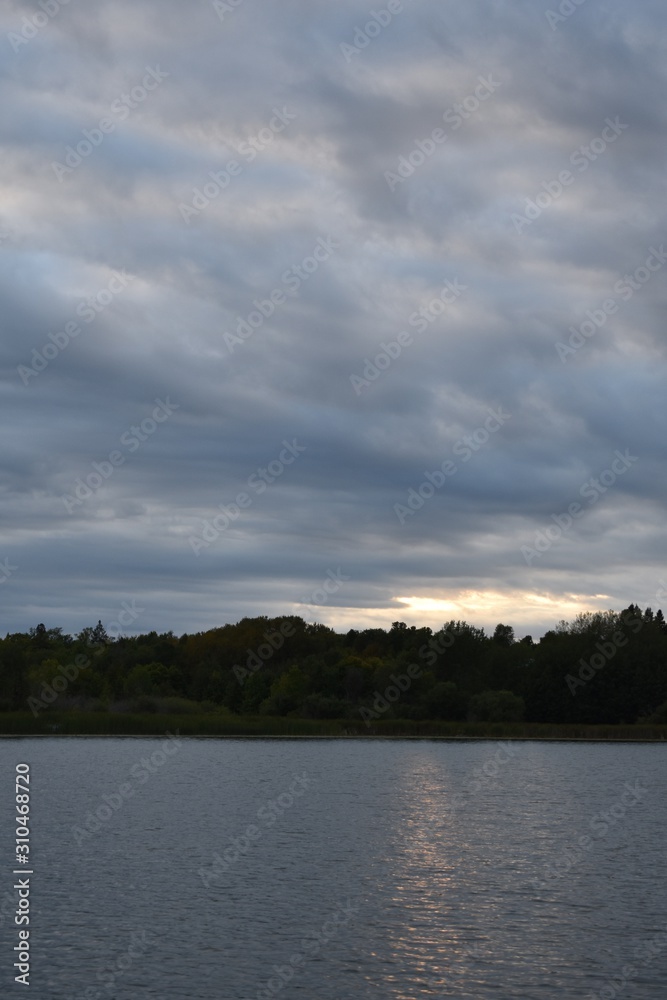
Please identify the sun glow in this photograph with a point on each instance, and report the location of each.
(530, 612)
(428, 604)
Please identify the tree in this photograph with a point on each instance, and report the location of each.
(94, 637)
(14, 680)
(496, 706)
(504, 635)
(443, 701)
(287, 693)
(659, 717)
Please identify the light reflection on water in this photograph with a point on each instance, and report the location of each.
(459, 860)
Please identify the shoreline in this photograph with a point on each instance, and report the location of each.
(215, 726)
(388, 739)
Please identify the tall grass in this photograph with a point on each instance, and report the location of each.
(74, 723)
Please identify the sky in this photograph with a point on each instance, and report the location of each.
(354, 312)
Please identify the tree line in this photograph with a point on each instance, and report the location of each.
(601, 668)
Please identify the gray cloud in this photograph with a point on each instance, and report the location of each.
(192, 318)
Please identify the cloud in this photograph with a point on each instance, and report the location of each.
(232, 312)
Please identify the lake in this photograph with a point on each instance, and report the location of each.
(336, 869)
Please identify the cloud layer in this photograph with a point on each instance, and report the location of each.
(298, 288)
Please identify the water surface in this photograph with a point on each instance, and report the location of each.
(331, 870)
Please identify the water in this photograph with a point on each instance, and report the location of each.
(389, 869)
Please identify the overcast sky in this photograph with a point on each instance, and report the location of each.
(215, 219)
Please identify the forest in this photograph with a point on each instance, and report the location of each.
(601, 668)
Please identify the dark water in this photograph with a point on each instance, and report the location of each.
(340, 869)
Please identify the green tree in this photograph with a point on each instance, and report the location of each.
(496, 706)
